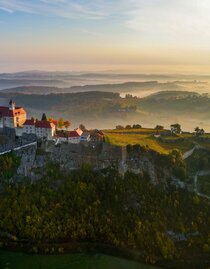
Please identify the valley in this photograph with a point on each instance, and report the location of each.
(140, 164)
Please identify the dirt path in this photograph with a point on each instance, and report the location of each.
(189, 153)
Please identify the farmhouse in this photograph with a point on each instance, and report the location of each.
(73, 137)
(12, 116)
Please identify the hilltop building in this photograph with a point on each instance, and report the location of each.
(42, 129)
(15, 118)
(12, 116)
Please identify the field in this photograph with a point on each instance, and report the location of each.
(204, 184)
(145, 137)
(11, 260)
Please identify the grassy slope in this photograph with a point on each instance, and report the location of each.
(132, 139)
(13, 260)
(145, 137)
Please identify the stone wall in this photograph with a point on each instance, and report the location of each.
(97, 155)
(73, 156)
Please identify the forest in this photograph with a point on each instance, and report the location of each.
(104, 207)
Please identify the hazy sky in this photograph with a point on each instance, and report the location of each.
(146, 35)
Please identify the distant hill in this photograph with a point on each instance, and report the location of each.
(63, 82)
(170, 95)
(9, 83)
(128, 87)
(177, 102)
(108, 109)
(65, 75)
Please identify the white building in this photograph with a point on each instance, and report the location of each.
(42, 129)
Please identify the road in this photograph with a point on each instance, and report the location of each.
(201, 173)
(188, 153)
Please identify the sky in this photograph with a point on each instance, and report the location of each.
(131, 35)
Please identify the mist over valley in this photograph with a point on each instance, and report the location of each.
(104, 100)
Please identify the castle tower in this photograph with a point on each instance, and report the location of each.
(11, 105)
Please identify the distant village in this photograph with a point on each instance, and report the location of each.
(16, 118)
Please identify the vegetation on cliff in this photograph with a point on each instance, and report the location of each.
(8, 166)
(89, 206)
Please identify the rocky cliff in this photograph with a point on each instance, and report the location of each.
(96, 155)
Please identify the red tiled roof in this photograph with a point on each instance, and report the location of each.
(70, 134)
(44, 124)
(29, 122)
(73, 134)
(61, 135)
(6, 112)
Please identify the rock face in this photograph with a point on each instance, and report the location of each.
(7, 139)
(73, 156)
(27, 156)
(97, 155)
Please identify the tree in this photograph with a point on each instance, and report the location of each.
(44, 117)
(137, 126)
(82, 127)
(176, 128)
(8, 165)
(128, 96)
(158, 128)
(206, 248)
(67, 124)
(199, 131)
(128, 127)
(180, 172)
(54, 121)
(61, 123)
(50, 119)
(202, 132)
(119, 127)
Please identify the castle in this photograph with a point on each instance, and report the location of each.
(12, 117)
(16, 118)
